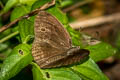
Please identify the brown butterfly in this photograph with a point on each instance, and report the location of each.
(52, 45)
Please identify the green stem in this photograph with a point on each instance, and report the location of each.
(28, 38)
(9, 36)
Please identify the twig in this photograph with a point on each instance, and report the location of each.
(9, 25)
(95, 21)
(9, 36)
(77, 5)
(45, 6)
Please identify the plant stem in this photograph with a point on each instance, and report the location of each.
(9, 36)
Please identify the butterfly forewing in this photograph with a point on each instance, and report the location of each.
(50, 37)
(51, 42)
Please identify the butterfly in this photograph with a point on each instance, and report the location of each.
(52, 46)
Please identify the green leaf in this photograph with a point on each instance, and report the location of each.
(61, 74)
(19, 58)
(19, 11)
(5, 53)
(10, 4)
(66, 3)
(58, 14)
(101, 51)
(28, 2)
(3, 46)
(26, 28)
(37, 75)
(76, 37)
(90, 70)
(53, 74)
(39, 3)
(86, 71)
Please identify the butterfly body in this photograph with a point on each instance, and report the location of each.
(52, 46)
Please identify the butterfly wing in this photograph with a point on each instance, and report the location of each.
(71, 56)
(51, 38)
(52, 44)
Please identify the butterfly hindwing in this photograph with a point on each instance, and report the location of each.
(72, 56)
